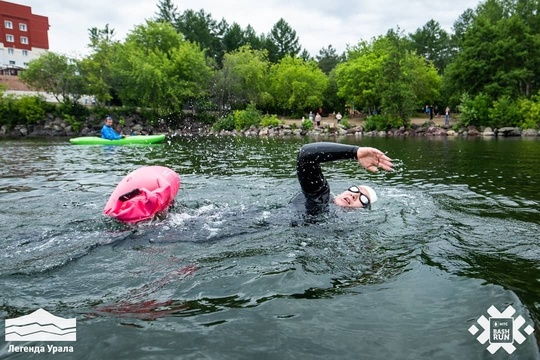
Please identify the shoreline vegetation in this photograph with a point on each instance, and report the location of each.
(36, 117)
(185, 73)
(354, 126)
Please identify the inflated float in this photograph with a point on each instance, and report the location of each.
(134, 139)
(142, 194)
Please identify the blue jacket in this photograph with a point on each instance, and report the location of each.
(108, 132)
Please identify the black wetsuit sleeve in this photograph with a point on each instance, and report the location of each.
(308, 167)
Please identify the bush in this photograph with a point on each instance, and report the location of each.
(9, 112)
(205, 118)
(474, 111)
(225, 123)
(504, 112)
(523, 113)
(529, 111)
(244, 119)
(152, 117)
(77, 110)
(382, 123)
(270, 120)
(345, 123)
(307, 125)
(72, 121)
(21, 111)
(31, 109)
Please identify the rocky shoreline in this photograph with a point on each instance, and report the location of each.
(415, 130)
(58, 127)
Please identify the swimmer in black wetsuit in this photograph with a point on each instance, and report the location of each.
(315, 189)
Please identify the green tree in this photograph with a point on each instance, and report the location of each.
(242, 79)
(167, 12)
(234, 38)
(357, 78)
(406, 81)
(56, 74)
(158, 69)
(99, 36)
(499, 53)
(460, 27)
(200, 28)
(305, 55)
(297, 85)
(252, 39)
(332, 101)
(327, 59)
(283, 41)
(96, 68)
(385, 75)
(433, 43)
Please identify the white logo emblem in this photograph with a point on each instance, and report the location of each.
(501, 329)
(41, 326)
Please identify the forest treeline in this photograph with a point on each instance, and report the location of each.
(487, 69)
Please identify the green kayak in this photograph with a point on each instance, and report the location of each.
(135, 139)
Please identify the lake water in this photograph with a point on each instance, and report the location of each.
(232, 274)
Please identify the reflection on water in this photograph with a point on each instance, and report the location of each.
(227, 275)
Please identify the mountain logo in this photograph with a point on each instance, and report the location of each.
(41, 326)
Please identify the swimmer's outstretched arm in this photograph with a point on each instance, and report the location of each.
(310, 156)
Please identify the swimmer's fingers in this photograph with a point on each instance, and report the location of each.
(383, 161)
(386, 164)
(372, 159)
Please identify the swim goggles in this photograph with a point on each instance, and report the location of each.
(363, 198)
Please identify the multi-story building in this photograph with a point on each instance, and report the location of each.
(23, 36)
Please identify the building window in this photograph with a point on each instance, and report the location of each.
(10, 51)
(8, 24)
(11, 62)
(24, 40)
(22, 27)
(10, 38)
(25, 64)
(25, 53)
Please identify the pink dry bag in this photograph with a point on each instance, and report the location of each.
(142, 194)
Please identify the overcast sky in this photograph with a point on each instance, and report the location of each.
(318, 23)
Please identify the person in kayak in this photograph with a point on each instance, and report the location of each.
(107, 132)
(315, 193)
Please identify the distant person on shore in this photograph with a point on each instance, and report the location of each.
(447, 116)
(339, 117)
(310, 116)
(318, 119)
(107, 132)
(315, 195)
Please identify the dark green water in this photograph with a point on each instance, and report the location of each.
(227, 276)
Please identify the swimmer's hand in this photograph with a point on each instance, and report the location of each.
(372, 159)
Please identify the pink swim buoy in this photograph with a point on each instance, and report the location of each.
(142, 194)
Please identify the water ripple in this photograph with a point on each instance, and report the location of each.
(451, 235)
